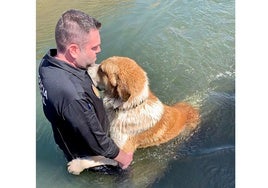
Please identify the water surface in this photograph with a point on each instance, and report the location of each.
(188, 50)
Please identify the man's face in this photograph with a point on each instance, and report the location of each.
(90, 49)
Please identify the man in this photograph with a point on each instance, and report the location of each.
(80, 125)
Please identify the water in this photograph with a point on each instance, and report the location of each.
(188, 50)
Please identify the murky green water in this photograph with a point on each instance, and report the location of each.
(188, 50)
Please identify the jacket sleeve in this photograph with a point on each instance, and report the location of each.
(83, 118)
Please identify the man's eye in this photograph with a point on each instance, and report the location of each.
(94, 48)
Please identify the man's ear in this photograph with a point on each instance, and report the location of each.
(73, 50)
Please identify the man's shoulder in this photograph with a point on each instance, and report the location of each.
(60, 83)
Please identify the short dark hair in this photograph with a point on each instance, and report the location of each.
(72, 27)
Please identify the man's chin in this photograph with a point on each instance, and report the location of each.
(91, 64)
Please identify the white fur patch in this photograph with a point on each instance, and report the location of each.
(92, 71)
(125, 123)
(76, 166)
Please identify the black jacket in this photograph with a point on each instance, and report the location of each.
(77, 115)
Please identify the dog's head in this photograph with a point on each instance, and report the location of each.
(122, 78)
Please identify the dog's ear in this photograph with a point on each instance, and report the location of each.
(121, 87)
(110, 74)
(123, 91)
(113, 79)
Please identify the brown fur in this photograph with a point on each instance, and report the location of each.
(138, 118)
(123, 80)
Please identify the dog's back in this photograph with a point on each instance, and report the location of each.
(137, 117)
(191, 113)
(174, 120)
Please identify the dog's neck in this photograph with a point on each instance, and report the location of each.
(128, 107)
(135, 101)
(118, 104)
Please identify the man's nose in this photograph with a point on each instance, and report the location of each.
(99, 50)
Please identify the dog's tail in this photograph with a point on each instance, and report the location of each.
(193, 116)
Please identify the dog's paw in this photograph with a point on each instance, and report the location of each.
(75, 166)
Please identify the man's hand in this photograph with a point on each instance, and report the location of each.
(124, 159)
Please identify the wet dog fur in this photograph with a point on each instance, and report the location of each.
(138, 119)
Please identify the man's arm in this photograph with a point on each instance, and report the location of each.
(85, 121)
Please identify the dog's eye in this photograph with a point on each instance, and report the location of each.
(101, 71)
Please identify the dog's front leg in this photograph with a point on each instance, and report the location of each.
(76, 166)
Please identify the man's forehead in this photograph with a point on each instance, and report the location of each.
(93, 37)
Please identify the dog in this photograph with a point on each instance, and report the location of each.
(138, 119)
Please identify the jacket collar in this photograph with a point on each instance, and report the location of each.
(80, 73)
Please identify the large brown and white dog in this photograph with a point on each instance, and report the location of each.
(138, 119)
